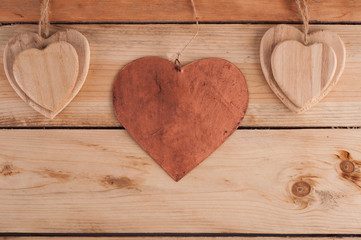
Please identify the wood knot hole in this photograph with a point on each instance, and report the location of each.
(301, 189)
(347, 166)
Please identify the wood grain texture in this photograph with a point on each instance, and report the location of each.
(27, 40)
(113, 46)
(47, 76)
(280, 33)
(185, 113)
(101, 181)
(302, 72)
(163, 10)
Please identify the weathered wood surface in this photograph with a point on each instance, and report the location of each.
(180, 10)
(113, 46)
(101, 181)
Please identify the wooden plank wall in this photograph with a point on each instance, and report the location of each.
(82, 175)
(180, 10)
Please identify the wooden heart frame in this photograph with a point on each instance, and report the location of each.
(29, 40)
(282, 32)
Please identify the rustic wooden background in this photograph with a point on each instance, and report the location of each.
(82, 175)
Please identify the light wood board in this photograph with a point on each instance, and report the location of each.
(101, 181)
(113, 46)
(180, 10)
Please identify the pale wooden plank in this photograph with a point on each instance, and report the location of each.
(181, 10)
(113, 46)
(101, 181)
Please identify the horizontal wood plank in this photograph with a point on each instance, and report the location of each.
(180, 10)
(113, 46)
(99, 181)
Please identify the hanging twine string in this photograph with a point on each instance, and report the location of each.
(43, 29)
(303, 9)
(177, 62)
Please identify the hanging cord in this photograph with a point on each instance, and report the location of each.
(303, 10)
(43, 29)
(177, 62)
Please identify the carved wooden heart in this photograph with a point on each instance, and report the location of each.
(281, 33)
(302, 72)
(180, 117)
(30, 40)
(47, 76)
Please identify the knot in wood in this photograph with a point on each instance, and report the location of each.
(301, 189)
(347, 166)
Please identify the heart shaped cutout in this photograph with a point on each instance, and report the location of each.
(302, 72)
(281, 33)
(47, 76)
(180, 117)
(28, 40)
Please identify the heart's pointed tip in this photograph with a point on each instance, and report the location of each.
(50, 116)
(176, 175)
(177, 178)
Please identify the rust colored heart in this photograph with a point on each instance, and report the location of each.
(180, 117)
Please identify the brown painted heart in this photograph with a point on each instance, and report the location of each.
(180, 117)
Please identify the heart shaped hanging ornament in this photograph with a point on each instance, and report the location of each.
(301, 68)
(180, 114)
(47, 72)
(184, 114)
